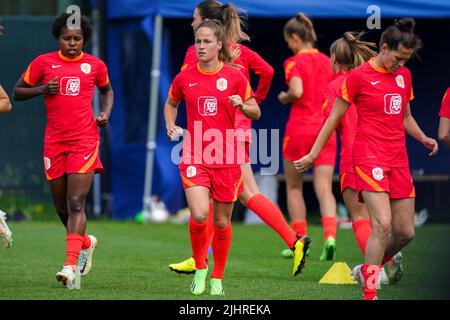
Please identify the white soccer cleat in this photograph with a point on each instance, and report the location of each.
(67, 276)
(384, 280)
(85, 257)
(357, 274)
(5, 232)
(395, 268)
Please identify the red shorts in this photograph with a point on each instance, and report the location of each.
(81, 156)
(225, 184)
(395, 181)
(348, 180)
(295, 147)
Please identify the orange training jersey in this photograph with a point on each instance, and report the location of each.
(347, 126)
(209, 113)
(250, 61)
(445, 107)
(70, 115)
(314, 68)
(380, 98)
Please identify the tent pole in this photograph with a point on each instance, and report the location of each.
(153, 112)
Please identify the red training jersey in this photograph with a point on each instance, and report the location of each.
(314, 68)
(347, 126)
(70, 115)
(207, 106)
(445, 106)
(380, 98)
(249, 60)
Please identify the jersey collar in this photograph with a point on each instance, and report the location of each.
(377, 68)
(61, 56)
(214, 71)
(314, 50)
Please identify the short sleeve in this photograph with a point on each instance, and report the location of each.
(176, 89)
(190, 58)
(291, 69)
(350, 88)
(101, 78)
(445, 106)
(34, 73)
(244, 89)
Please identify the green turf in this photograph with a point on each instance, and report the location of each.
(131, 263)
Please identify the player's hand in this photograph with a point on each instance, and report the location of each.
(431, 144)
(175, 132)
(236, 101)
(283, 97)
(235, 52)
(51, 87)
(304, 163)
(102, 119)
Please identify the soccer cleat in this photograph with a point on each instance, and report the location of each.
(85, 258)
(329, 250)
(67, 276)
(185, 267)
(357, 274)
(300, 247)
(5, 232)
(384, 280)
(198, 285)
(395, 268)
(216, 287)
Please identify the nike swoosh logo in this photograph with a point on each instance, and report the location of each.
(374, 82)
(56, 66)
(87, 157)
(192, 84)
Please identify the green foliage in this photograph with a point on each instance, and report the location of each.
(20, 208)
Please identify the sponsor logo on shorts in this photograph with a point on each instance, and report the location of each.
(400, 81)
(47, 163)
(377, 173)
(69, 86)
(191, 171)
(392, 103)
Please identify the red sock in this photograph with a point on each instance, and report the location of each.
(329, 224)
(209, 229)
(370, 274)
(272, 216)
(221, 246)
(86, 242)
(300, 227)
(362, 229)
(197, 232)
(73, 246)
(386, 259)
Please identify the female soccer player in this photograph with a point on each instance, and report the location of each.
(248, 60)
(307, 73)
(214, 92)
(381, 90)
(71, 144)
(444, 123)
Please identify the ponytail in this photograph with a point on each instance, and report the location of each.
(302, 26)
(401, 32)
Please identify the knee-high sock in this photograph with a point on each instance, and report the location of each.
(221, 246)
(300, 227)
(329, 224)
(209, 229)
(370, 274)
(362, 229)
(197, 233)
(86, 242)
(73, 246)
(272, 216)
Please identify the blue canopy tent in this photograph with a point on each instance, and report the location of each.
(139, 167)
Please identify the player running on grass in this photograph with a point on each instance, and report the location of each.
(71, 144)
(380, 90)
(251, 196)
(214, 93)
(307, 73)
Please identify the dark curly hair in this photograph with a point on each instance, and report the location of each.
(60, 22)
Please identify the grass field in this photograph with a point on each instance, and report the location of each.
(131, 263)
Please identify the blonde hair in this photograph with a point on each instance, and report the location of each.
(350, 51)
(302, 26)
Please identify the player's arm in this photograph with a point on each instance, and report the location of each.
(295, 91)
(107, 102)
(249, 108)
(444, 131)
(5, 104)
(265, 72)
(339, 109)
(170, 116)
(23, 91)
(413, 129)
